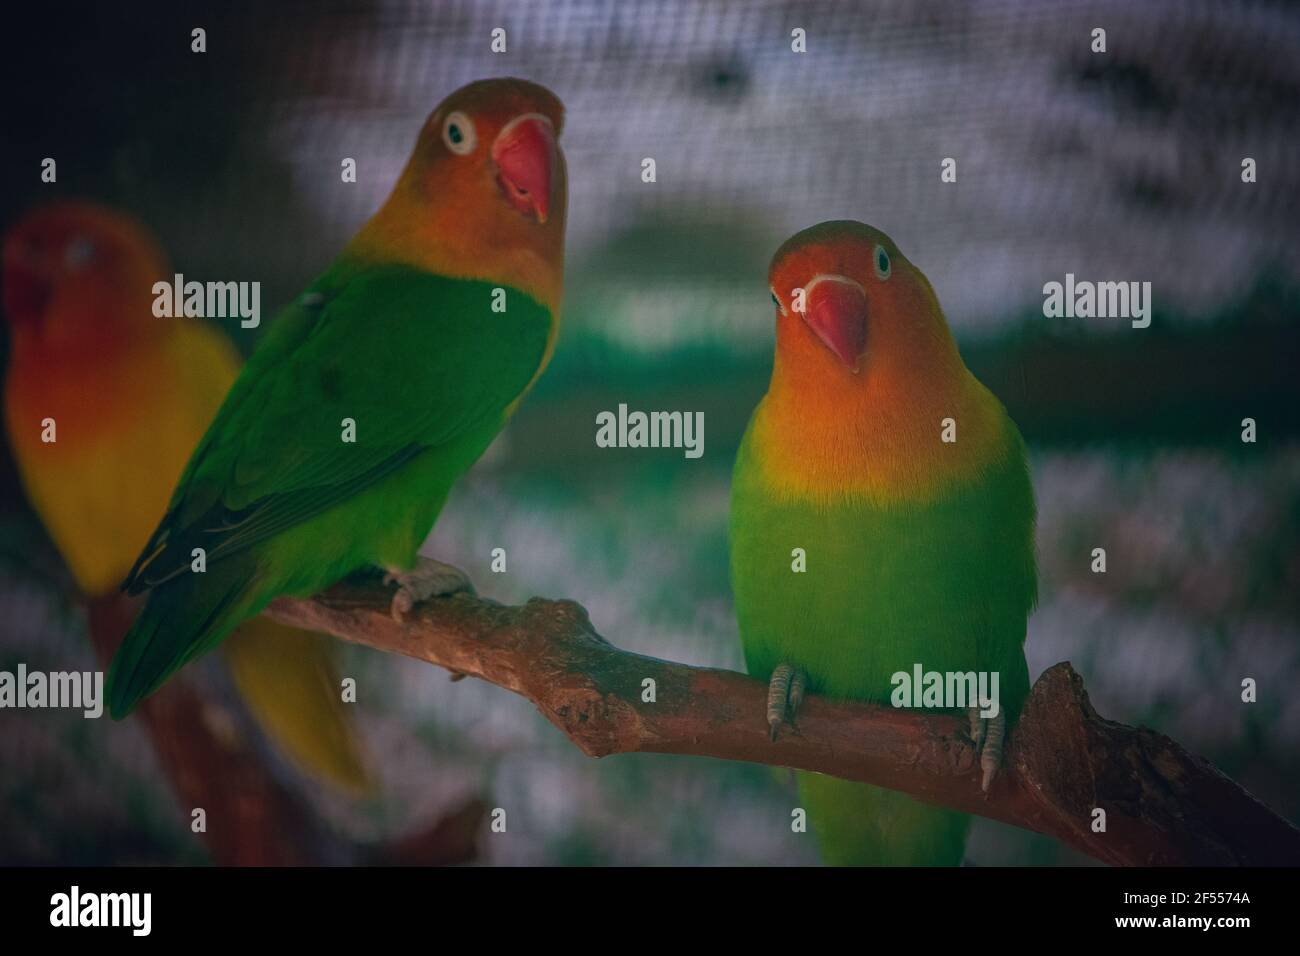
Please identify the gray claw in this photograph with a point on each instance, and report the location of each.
(988, 735)
(785, 693)
(427, 579)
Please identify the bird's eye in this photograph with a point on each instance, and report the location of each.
(458, 134)
(882, 262)
(79, 252)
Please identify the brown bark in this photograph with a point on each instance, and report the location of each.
(1163, 805)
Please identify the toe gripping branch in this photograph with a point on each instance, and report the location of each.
(784, 695)
(989, 736)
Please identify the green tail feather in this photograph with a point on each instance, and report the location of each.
(856, 824)
(184, 618)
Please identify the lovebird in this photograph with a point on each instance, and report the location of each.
(122, 398)
(371, 393)
(882, 516)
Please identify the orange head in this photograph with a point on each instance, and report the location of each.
(78, 277)
(865, 374)
(484, 194)
(851, 310)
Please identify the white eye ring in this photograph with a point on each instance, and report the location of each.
(79, 252)
(880, 259)
(459, 125)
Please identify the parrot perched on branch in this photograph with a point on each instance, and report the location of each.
(372, 393)
(125, 397)
(900, 487)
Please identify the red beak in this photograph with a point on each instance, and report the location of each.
(835, 308)
(525, 155)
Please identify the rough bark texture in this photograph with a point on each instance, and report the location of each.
(1163, 805)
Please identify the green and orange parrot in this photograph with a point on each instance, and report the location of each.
(372, 393)
(125, 396)
(915, 549)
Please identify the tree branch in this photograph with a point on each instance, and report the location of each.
(1163, 805)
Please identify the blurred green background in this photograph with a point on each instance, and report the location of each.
(1123, 165)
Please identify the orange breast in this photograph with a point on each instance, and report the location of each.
(124, 427)
(886, 446)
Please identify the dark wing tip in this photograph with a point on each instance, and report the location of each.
(121, 697)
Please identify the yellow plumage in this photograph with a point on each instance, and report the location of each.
(129, 400)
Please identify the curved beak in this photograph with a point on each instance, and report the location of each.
(835, 308)
(525, 156)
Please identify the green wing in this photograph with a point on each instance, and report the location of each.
(413, 359)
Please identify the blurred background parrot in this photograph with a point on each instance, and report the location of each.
(917, 549)
(125, 396)
(372, 393)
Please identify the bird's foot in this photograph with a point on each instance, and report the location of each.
(784, 695)
(427, 579)
(988, 734)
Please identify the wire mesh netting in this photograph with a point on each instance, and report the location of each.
(1124, 165)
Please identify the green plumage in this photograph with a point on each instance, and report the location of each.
(946, 583)
(275, 497)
